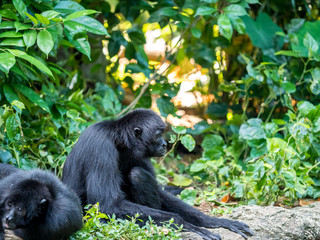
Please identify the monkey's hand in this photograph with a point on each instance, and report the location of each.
(234, 226)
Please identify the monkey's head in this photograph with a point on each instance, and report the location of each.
(25, 202)
(144, 130)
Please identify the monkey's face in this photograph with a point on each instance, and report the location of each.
(14, 216)
(153, 143)
(158, 146)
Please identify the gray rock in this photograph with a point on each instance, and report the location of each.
(273, 223)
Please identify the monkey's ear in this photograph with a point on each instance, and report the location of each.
(137, 132)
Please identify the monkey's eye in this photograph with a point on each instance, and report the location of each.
(9, 204)
(21, 211)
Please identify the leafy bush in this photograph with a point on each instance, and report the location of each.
(287, 160)
(122, 229)
(261, 92)
(40, 113)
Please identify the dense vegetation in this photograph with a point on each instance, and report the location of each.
(67, 64)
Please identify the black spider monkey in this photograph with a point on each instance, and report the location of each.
(110, 164)
(36, 205)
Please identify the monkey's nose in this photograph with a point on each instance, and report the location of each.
(9, 219)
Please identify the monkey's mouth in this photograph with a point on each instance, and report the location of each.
(9, 226)
(162, 152)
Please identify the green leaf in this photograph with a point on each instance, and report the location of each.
(205, 10)
(199, 128)
(305, 107)
(73, 114)
(21, 26)
(75, 30)
(188, 141)
(31, 60)
(80, 14)
(77, 37)
(279, 121)
(130, 51)
(32, 96)
(91, 25)
(189, 195)
(288, 87)
(289, 53)
(68, 7)
(239, 25)
(235, 10)
(29, 38)
(258, 170)
(225, 27)
(141, 56)
(289, 178)
(136, 35)
(21, 7)
(32, 18)
(110, 102)
(10, 94)
(50, 14)
(6, 25)
(238, 189)
(252, 130)
(173, 138)
(299, 39)
(198, 166)
(12, 42)
(7, 60)
(279, 146)
(179, 129)
(315, 85)
(6, 157)
(10, 34)
(310, 43)
(262, 31)
(42, 19)
(165, 106)
(211, 141)
(18, 104)
(252, 1)
(45, 41)
(137, 68)
(168, 11)
(275, 144)
(8, 14)
(12, 128)
(217, 109)
(196, 32)
(181, 181)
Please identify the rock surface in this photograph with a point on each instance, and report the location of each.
(268, 223)
(273, 223)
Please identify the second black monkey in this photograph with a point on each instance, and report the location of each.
(36, 205)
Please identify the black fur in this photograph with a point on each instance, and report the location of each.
(36, 205)
(6, 170)
(110, 164)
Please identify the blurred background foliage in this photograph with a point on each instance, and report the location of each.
(238, 81)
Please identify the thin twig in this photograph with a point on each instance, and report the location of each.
(173, 146)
